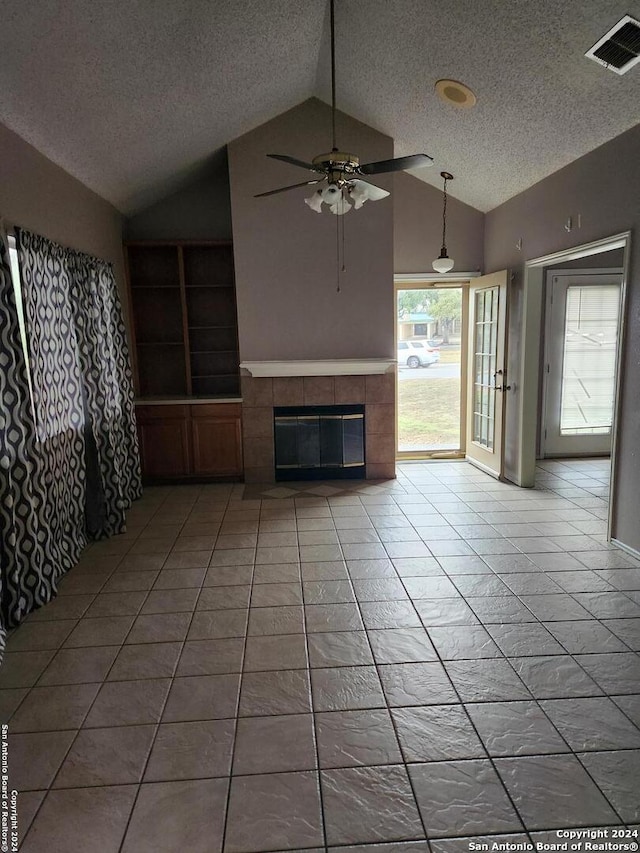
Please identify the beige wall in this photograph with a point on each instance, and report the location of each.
(417, 228)
(285, 254)
(604, 188)
(41, 197)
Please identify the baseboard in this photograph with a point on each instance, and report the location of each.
(633, 552)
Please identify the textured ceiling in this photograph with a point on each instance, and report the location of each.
(132, 97)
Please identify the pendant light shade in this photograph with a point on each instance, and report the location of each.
(443, 263)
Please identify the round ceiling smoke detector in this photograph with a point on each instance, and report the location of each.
(455, 93)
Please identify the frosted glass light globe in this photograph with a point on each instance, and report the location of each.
(443, 264)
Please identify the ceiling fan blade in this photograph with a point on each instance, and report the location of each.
(292, 161)
(399, 164)
(292, 187)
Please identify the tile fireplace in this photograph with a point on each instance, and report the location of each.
(372, 393)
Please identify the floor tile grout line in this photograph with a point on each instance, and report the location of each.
(477, 734)
(404, 762)
(323, 822)
(393, 723)
(227, 805)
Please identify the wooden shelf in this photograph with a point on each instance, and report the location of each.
(212, 286)
(200, 328)
(211, 351)
(212, 375)
(182, 299)
(160, 343)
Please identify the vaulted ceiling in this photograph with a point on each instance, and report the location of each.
(132, 97)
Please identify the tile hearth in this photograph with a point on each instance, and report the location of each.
(264, 668)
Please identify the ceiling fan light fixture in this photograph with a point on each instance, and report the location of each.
(361, 191)
(340, 168)
(315, 201)
(339, 199)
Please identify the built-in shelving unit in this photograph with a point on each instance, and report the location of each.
(184, 312)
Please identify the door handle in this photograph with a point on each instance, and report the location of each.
(497, 387)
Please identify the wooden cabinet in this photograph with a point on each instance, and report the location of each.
(163, 432)
(190, 442)
(183, 305)
(216, 441)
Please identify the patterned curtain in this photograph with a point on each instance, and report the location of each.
(57, 390)
(108, 390)
(79, 405)
(121, 381)
(30, 562)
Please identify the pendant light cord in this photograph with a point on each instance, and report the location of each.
(444, 218)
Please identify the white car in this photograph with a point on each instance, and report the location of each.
(417, 354)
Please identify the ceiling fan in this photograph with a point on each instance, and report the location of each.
(340, 173)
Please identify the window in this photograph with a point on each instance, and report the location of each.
(17, 289)
(402, 345)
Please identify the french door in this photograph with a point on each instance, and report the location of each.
(487, 380)
(581, 338)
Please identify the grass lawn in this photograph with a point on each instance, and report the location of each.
(429, 414)
(450, 356)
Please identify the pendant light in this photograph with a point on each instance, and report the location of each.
(443, 263)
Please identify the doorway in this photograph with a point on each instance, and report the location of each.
(451, 386)
(582, 314)
(523, 414)
(431, 357)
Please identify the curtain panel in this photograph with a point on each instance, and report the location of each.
(108, 392)
(57, 390)
(76, 332)
(30, 562)
(68, 439)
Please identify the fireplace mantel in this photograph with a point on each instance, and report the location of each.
(321, 367)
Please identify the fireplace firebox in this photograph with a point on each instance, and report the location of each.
(319, 442)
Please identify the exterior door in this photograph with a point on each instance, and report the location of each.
(487, 381)
(581, 338)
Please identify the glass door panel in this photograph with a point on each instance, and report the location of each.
(484, 348)
(487, 324)
(588, 369)
(581, 342)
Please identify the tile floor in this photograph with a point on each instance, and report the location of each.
(437, 657)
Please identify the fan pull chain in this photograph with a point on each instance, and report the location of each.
(337, 254)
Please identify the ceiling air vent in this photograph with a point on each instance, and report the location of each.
(619, 49)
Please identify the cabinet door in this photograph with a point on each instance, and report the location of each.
(164, 447)
(217, 446)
